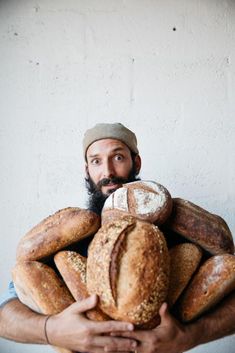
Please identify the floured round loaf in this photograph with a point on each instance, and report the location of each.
(57, 231)
(201, 227)
(214, 280)
(184, 260)
(128, 268)
(72, 267)
(146, 200)
(38, 287)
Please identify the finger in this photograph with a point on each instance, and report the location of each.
(137, 335)
(164, 314)
(110, 326)
(114, 343)
(84, 305)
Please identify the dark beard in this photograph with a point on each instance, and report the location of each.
(97, 198)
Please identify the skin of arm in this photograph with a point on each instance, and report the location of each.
(69, 329)
(173, 337)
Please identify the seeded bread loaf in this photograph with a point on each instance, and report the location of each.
(128, 268)
(201, 227)
(72, 267)
(39, 288)
(184, 260)
(57, 231)
(214, 280)
(145, 200)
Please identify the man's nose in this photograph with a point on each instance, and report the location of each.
(108, 171)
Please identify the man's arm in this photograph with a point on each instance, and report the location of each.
(69, 329)
(173, 337)
(20, 324)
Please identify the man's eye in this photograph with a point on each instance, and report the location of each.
(118, 157)
(95, 161)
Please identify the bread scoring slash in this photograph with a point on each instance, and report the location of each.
(128, 268)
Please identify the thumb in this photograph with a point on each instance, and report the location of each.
(164, 314)
(84, 305)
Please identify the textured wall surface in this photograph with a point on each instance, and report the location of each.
(166, 69)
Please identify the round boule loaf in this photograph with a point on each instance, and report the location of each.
(128, 268)
(63, 228)
(214, 280)
(146, 200)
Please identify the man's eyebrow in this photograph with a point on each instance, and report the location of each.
(117, 149)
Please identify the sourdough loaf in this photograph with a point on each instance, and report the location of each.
(39, 288)
(57, 231)
(214, 280)
(184, 260)
(72, 267)
(128, 268)
(201, 227)
(146, 200)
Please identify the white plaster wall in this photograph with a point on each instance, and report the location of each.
(67, 64)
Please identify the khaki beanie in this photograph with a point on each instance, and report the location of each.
(115, 131)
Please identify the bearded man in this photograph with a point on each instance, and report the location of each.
(111, 159)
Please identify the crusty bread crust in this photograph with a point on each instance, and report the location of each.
(72, 267)
(214, 280)
(145, 200)
(39, 287)
(184, 260)
(201, 227)
(57, 231)
(128, 267)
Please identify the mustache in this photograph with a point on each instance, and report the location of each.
(114, 180)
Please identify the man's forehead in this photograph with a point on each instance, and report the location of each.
(106, 146)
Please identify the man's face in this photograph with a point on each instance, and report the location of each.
(107, 161)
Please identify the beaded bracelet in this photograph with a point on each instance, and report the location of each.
(45, 328)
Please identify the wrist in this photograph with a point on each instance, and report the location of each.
(46, 336)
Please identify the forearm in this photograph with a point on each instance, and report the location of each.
(20, 324)
(217, 324)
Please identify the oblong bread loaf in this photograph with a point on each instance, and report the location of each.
(57, 231)
(145, 200)
(38, 287)
(128, 268)
(201, 227)
(184, 260)
(72, 267)
(214, 280)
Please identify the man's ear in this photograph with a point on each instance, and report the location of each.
(86, 171)
(138, 163)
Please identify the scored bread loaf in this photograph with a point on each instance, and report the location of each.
(145, 200)
(214, 280)
(38, 287)
(128, 268)
(57, 231)
(201, 227)
(72, 267)
(184, 260)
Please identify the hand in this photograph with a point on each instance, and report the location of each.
(168, 337)
(72, 330)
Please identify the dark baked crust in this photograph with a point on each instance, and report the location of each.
(184, 260)
(57, 231)
(128, 267)
(201, 227)
(39, 287)
(214, 280)
(72, 267)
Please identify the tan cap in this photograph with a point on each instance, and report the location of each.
(115, 131)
